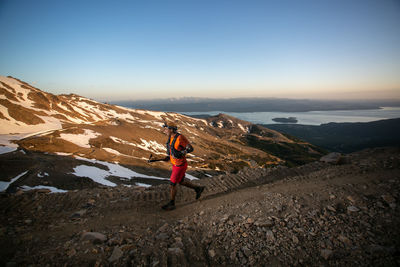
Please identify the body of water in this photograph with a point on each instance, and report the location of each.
(313, 117)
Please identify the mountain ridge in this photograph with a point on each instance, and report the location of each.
(45, 126)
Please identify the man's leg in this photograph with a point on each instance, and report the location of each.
(198, 189)
(172, 190)
(188, 184)
(171, 204)
(176, 176)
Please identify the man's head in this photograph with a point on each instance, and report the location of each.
(170, 128)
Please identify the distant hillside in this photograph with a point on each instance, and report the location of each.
(253, 104)
(291, 150)
(345, 137)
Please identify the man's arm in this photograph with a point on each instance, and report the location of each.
(184, 147)
(189, 148)
(154, 160)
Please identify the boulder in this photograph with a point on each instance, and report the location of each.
(116, 254)
(211, 253)
(353, 209)
(332, 158)
(270, 236)
(326, 253)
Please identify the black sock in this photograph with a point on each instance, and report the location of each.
(172, 201)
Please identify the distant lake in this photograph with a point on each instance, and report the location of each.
(313, 117)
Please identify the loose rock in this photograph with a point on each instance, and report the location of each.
(94, 237)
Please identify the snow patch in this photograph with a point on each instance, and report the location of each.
(62, 106)
(112, 151)
(6, 149)
(241, 127)
(151, 127)
(190, 124)
(41, 175)
(191, 177)
(51, 188)
(189, 131)
(81, 140)
(116, 170)
(143, 185)
(5, 185)
(119, 140)
(152, 146)
(14, 126)
(63, 154)
(94, 173)
(151, 113)
(113, 123)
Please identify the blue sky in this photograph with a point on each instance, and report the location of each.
(113, 50)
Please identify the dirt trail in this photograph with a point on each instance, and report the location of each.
(310, 215)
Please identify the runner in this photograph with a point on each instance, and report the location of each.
(177, 148)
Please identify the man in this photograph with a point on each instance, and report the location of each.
(177, 148)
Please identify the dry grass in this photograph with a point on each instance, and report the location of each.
(8, 87)
(8, 94)
(22, 114)
(40, 100)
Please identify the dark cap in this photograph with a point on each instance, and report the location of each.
(170, 125)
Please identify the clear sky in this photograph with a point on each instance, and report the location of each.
(121, 50)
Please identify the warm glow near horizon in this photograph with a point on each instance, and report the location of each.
(216, 49)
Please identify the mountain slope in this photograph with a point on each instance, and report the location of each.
(80, 129)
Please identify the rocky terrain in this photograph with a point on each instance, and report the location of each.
(317, 214)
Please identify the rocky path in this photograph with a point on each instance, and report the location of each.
(317, 214)
(124, 198)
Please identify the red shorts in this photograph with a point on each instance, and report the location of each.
(178, 173)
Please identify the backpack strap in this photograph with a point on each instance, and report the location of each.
(171, 148)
